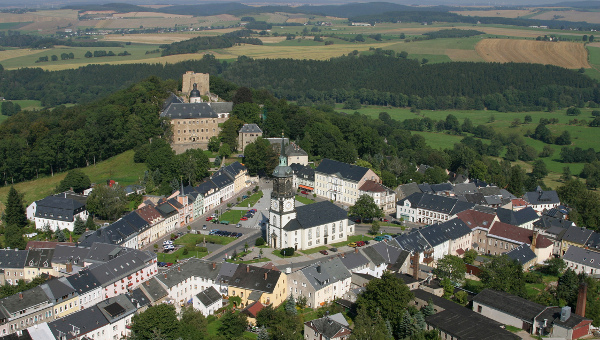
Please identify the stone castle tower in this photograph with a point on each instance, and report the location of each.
(190, 78)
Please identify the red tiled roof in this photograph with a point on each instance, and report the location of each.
(270, 266)
(474, 218)
(519, 202)
(520, 235)
(460, 251)
(148, 213)
(46, 244)
(372, 186)
(253, 309)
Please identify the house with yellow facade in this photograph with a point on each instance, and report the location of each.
(252, 284)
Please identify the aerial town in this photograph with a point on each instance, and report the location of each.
(213, 170)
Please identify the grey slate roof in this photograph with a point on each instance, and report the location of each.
(293, 149)
(426, 188)
(116, 308)
(234, 168)
(68, 254)
(517, 218)
(125, 265)
(250, 128)
(13, 258)
(102, 252)
(221, 179)
(583, 256)
(594, 241)
(87, 320)
(345, 170)
(192, 267)
(189, 111)
(450, 230)
(408, 189)
(58, 207)
(138, 298)
(469, 326)
(315, 214)
(328, 326)
(221, 107)
(445, 205)
(58, 288)
(388, 252)
(373, 256)
(413, 241)
(83, 282)
(577, 235)
(31, 297)
(552, 314)
(354, 260)
(540, 196)
(442, 187)
(465, 188)
(522, 254)
(510, 304)
(397, 265)
(154, 290)
(226, 272)
(166, 210)
(209, 296)
(320, 275)
(254, 278)
(40, 258)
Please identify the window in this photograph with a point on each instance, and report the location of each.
(479, 308)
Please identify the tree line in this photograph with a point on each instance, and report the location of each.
(207, 43)
(16, 39)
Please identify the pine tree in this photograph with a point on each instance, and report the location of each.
(419, 321)
(404, 328)
(390, 332)
(14, 237)
(60, 236)
(15, 211)
(89, 224)
(79, 226)
(428, 310)
(263, 334)
(290, 305)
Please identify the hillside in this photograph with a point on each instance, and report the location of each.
(120, 168)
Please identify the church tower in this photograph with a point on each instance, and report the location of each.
(283, 204)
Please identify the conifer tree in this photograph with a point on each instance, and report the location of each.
(428, 310)
(290, 305)
(89, 224)
(60, 236)
(79, 226)
(15, 210)
(263, 334)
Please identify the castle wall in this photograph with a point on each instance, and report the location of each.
(202, 79)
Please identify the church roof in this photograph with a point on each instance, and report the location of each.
(312, 215)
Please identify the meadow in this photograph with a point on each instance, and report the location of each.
(582, 136)
(120, 168)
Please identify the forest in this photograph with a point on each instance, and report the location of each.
(16, 39)
(207, 43)
(370, 79)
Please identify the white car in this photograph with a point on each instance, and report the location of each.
(168, 242)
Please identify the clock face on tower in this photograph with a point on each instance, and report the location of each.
(287, 206)
(274, 205)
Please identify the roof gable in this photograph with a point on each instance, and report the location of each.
(345, 170)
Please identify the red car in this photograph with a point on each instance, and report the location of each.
(385, 220)
(324, 252)
(360, 243)
(209, 218)
(244, 218)
(304, 192)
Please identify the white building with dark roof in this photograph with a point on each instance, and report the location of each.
(208, 301)
(333, 327)
(248, 134)
(541, 200)
(57, 212)
(341, 182)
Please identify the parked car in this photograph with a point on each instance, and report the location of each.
(167, 242)
(225, 222)
(352, 244)
(367, 220)
(324, 252)
(169, 264)
(204, 227)
(239, 235)
(388, 237)
(333, 249)
(304, 192)
(379, 238)
(366, 242)
(385, 220)
(209, 218)
(161, 264)
(244, 218)
(244, 197)
(180, 234)
(360, 243)
(215, 221)
(397, 222)
(238, 225)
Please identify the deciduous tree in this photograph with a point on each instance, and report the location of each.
(365, 207)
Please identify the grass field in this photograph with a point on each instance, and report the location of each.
(251, 201)
(233, 216)
(304, 200)
(582, 136)
(121, 168)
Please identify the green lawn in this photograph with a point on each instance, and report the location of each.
(352, 239)
(251, 201)
(304, 200)
(178, 255)
(314, 250)
(121, 168)
(512, 328)
(233, 216)
(194, 239)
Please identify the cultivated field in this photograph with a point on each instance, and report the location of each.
(149, 15)
(508, 13)
(159, 39)
(564, 54)
(591, 17)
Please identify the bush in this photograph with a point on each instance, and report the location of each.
(259, 242)
(287, 251)
(202, 249)
(185, 251)
(533, 277)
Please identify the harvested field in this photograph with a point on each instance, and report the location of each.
(277, 17)
(564, 54)
(591, 17)
(145, 22)
(9, 54)
(298, 20)
(149, 15)
(462, 55)
(271, 40)
(508, 13)
(150, 38)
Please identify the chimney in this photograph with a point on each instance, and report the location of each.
(318, 268)
(21, 295)
(247, 269)
(69, 267)
(214, 265)
(415, 264)
(265, 276)
(581, 299)
(534, 240)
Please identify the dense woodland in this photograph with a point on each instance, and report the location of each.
(370, 79)
(16, 39)
(207, 43)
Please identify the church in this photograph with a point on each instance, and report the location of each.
(303, 227)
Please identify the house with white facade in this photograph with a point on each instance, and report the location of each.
(541, 200)
(341, 182)
(320, 283)
(429, 208)
(57, 212)
(384, 197)
(582, 261)
(208, 301)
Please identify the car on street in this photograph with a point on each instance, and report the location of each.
(204, 227)
(161, 264)
(244, 218)
(360, 243)
(209, 218)
(397, 222)
(239, 235)
(213, 231)
(324, 252)
(333, 249)
(367, 220)
(253, 210)
(244, 197)
(238, 225)
(379, 238)
(304, 192)
(352, 244)
(167, 242)
(169, 264)
(180, 234)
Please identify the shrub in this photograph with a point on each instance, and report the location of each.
(185, 251)
(287, 251)
(259, 242)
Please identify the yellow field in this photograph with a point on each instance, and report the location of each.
(564, 54)
(591, 17)
(145, 22)
(462, 55)
(9, 54)
(271, 40)
(496, 13)
(166, 38)
(298, 20)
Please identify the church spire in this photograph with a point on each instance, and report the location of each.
(282, 157)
